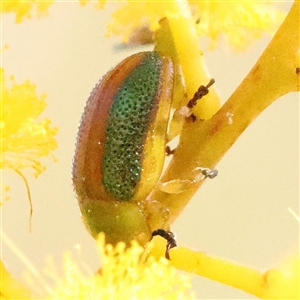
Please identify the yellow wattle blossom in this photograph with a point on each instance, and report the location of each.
(126, 273)
(241, 22)
(24, 139)
(97, 5)
(25, 9)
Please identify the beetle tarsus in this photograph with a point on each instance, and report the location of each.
(169, 151)
(202, 91)
(209, 173)
(193, 117)
(170, 237)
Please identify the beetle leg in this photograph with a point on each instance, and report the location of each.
(210, 173)
(186, 111)
(202, 91)
(169, 151)
(170, 237)
(193, 117)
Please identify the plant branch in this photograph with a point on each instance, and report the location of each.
(204, 143)
(279, 283)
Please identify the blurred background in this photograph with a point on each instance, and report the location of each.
(242, 215)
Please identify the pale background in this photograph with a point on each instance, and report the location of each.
(242, 215)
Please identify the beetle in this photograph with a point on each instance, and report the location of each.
(120, 147)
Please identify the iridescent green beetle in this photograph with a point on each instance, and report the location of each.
(120, 147)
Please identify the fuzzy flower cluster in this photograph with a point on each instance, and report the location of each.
(240, 22)
(126, 273)
(26, 9)
(24, 139)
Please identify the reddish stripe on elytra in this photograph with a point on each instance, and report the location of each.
(87, 177)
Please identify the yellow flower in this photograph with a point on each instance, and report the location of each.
(240, 21)
(23, 9)
(98, 5)
(126, 273)
(24, 140)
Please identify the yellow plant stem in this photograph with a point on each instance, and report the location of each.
(272, 284)
(203, 143)
(179, 39)
(217, 269)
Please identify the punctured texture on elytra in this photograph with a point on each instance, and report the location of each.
(120, 146)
